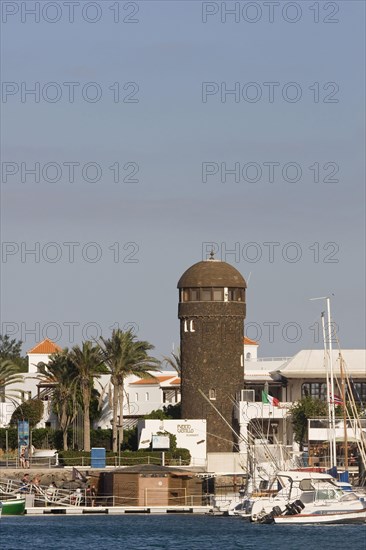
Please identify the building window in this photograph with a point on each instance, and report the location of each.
(236, 295)
(205, 294)
(218, 294)
(185, 326)
(212, 395)
(232, 294)
(191, 326)
(359, 391)
(316, 390)
(248, 355)
(136, 396)
(147, 396)
(195, 294)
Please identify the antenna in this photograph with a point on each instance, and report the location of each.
(248, 279)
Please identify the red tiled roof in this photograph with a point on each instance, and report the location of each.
(47, 347)
(176, 382)
(249, 342)
(151, 381)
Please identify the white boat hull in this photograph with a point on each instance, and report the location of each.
(357, 516)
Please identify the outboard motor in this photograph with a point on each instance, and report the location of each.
(294, 508)
(276, 511)
(268, 518)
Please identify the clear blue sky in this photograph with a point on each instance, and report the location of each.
(168, 134)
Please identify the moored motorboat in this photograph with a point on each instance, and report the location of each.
(318, 500)
(291, 485)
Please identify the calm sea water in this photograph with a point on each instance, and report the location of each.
(168, 532)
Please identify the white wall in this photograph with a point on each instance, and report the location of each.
(191, 434)
(139, 399)
(253, 350)
(34, 359)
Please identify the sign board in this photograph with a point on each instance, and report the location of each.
(160, 442)
(23, 434)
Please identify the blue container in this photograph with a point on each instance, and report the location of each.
(98, 457)
(343, 476)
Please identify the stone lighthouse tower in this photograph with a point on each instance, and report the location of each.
(212, 312)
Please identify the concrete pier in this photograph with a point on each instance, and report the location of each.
(114, 510)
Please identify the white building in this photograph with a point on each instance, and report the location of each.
(30, 387)
(287, 379)
(142, 396)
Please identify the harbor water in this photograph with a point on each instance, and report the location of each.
(168, 532)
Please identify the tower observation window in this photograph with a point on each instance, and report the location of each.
(195, 294)
(236, 294)
(205, 294)
(218, 294)
(213, 294)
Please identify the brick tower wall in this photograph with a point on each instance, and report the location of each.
(212, 359)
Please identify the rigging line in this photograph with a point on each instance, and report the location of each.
(361, 445)
(240, 438)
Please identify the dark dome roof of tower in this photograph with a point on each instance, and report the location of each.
(211, 273)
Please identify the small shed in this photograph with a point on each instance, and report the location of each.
(150, 485)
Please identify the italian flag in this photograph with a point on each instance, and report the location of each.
(266, 398)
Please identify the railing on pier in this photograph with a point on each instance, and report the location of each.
(85, 461)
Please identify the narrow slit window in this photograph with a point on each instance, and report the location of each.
(212, 395)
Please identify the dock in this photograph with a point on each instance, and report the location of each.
(114, 510)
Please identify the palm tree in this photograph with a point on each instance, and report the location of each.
(125, 355)
(88, 362)
(174, 360)
(9, 375)
(60, 375)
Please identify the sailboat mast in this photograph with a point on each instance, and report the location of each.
(328, 389)
(343, 386)
(332, 408)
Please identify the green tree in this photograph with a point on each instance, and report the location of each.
(125, 355)
(166, 413)
(31, 410)
(174, 360)
(60, 374)
(9, 375)
(88, 362)
(303, 410)
(11, 350)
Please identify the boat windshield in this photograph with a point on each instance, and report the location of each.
(328, 494)
(306, 485)
(349, 496)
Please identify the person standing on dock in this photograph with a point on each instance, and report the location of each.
(26, 457)
(93, 495)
